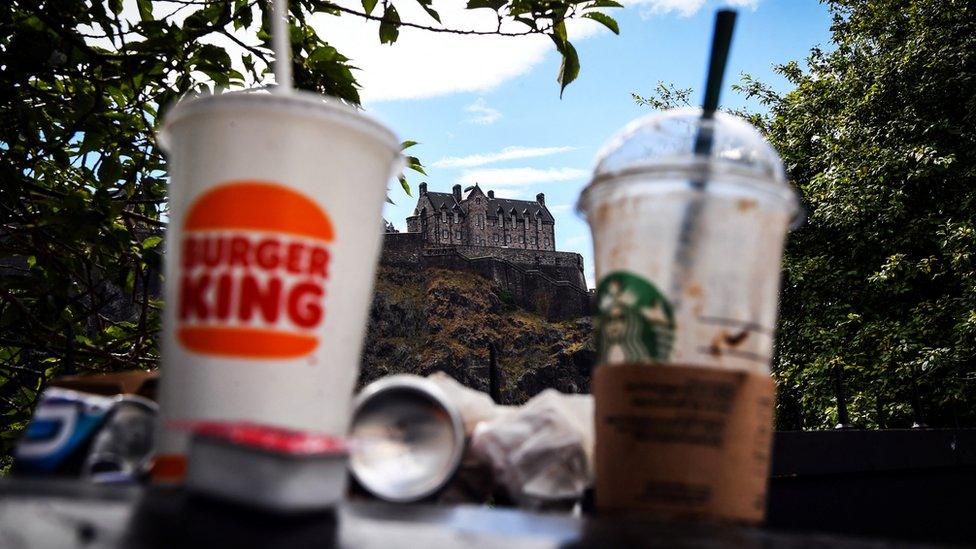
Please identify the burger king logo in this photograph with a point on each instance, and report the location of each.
(253, 272)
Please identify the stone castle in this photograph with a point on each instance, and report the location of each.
(509, 241)
(480, 219)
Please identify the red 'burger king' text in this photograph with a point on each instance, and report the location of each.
(239, 278)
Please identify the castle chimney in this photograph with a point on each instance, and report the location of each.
(541, 198)
(457, 193)
(491, 194)
(423, 188)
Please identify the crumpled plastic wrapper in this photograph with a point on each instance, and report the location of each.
(542, 451)
(539, 452)
(474, 406)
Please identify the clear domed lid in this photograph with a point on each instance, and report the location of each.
(664, 144)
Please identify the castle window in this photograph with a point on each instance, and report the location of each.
(444, 217)
(494, 239)
(477, 200)
(455, 217)
(444, 234)
(457, 235)
(546, 242)
(508, 240)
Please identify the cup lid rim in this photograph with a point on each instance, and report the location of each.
(319, 104)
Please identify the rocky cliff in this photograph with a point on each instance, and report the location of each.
(423, 321)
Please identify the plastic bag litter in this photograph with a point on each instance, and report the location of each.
(542, 451)
(474, 406)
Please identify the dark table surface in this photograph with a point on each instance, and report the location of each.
(53, 514)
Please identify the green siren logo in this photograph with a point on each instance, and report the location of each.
(635, 323)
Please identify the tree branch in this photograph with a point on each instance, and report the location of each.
(381, 19)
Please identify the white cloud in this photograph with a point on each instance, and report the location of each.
(751, 4)
(510, 193)
(427, 64)
(560, 208)
(684, 8)
(483, 114)
(508, 153)
(516, 177)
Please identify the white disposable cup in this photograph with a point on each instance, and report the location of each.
(714, 303)
(294, 185)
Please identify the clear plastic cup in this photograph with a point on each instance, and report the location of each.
(687, 250)
(688, 247)
(274, 234)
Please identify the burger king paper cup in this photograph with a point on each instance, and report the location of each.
(274, 232)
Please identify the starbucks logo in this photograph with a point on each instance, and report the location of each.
(635, 322)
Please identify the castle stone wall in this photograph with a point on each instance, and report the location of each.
(549, 283)
(401, 248)
(567, 266)
(532, 289)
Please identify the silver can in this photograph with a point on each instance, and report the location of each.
(122, 451)
(407, 439)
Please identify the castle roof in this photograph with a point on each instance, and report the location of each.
(441, 199)
(521, 207)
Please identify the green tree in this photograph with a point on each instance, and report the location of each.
(879, 285)
(82, 182)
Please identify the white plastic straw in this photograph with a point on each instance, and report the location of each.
(282, 46)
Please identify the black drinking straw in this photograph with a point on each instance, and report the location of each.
(721, 42)
(688, 233)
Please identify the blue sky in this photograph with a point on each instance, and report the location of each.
(466, 104)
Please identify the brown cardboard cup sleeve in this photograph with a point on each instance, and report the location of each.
(682, 442)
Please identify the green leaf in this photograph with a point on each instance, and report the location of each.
(145, 10)
(243, 14)
(115, 6)
(404, 184)
(407, 144)
(109, 170)
(569, 69)
(605, 19)
(31, 261)
(390, 27)
(414, 164)
(369, 5)
(426, 4)
(559, 34)
(491, 4)
(130, 280)
(604, 4)
(325, 54)
(151, 242)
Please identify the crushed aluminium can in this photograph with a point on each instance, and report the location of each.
(101, 438)
(407, 439)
